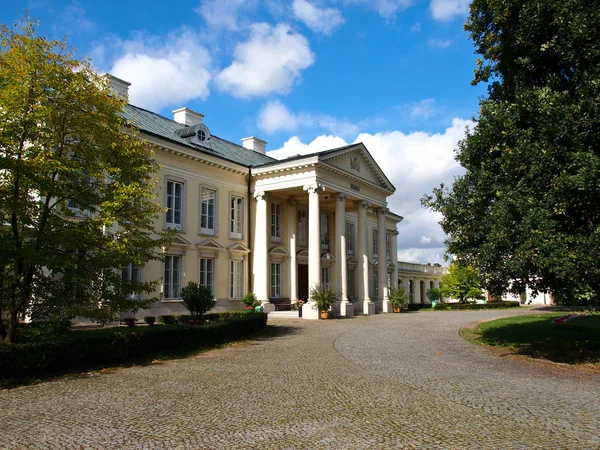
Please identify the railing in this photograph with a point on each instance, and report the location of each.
(421, 268)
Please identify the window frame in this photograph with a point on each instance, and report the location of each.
(236, 279)
(276, 233)
(375, 243)
(168, 280)
(207, 231)
(129, 277)
(236, 216)
(173, 225)
(302, 236)
(206, 274)
(325, 274)
(275, 277)
(350, 238)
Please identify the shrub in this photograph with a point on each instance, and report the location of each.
(250, 299)
(40, 330)
(324, 295)
(198, 299)
(168, 319)
(183, 319)
(472, 306)
(98, 348)
(398, 296)
(150, 320)
(129, 321)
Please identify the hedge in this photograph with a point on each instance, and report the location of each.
(466, 306)
(79, 350)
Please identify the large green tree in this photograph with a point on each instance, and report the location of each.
(77, 200)
(462, 283)
(527, 210)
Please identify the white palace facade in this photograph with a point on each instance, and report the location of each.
(249, 223)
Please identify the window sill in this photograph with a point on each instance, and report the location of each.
(213, 235)
(171, 300)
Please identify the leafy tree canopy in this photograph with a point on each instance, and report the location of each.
(462, 283)
(526, 212)
(77, 189)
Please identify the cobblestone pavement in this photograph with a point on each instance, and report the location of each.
(382, 382)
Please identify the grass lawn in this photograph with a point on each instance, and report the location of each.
(573, 342)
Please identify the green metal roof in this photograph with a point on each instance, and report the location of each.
(160, 126)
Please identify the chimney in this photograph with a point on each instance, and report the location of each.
(255, 144)
(118, 87)
(187, 117)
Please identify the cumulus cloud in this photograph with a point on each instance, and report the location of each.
(163, 71)
(320, 20)
(224, 14)
(415, 163)
(275, 116)
(386, 8)
(444, 10)
(439, 43)
(271, 61)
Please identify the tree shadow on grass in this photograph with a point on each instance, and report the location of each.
(573, 342)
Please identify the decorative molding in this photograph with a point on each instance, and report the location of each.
(340, 196)
(314, 188)
(292, 202)
(362, 203)
(261, 195)
(355, 163)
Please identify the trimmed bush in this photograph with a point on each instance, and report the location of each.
(98, 348)
(183, 319)
(129, 321)
(471, 306)
(150, 320)
(168, 319)
(40, 330)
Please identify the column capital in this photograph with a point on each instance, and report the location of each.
(381, 211)
(260, 195)
(395, 233)
(362, 204)
(292, 202)
(340, 196)
(314, 188)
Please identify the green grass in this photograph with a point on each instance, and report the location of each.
(574, 342)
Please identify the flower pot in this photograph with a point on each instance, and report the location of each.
(300, 311)
(397, 309)
(324, 314)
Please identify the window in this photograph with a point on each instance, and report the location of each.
(237, 279)
(375, 242)
(352, 283)
(276, 221)
(275, 280)
(324, 224)
(174, 204)
(172, 280)
(207, 273)
(376, 283)
(236, 226)
(387, 244)
(131, 273)
(208, 199)
(324, 275)
(350, 237)
(302, 226)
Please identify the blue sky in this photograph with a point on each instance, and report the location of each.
(304, 75)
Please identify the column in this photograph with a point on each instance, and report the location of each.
(292, 219)
(314, 246)
(346, 308)
(260, 269)
(406, 286)
(363, 259)
(394, 255)
(383, 300)
(417, 285)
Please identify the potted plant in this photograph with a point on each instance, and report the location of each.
(250, 301)
(324, 296)
(398, 298)
(435, 295)
(198, 299)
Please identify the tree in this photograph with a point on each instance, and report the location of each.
(77, 189)
(398, 296)
(526, 212)
(434, 294)
(198, 299)
(461, 282)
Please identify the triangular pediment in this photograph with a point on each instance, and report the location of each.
(356, 161)
(178, 240)
(209, 243)
(238, 247)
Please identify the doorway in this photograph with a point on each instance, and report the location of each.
(303, 282)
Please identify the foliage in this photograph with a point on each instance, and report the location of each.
(129, 321)
(472, 306)
(198, 299)
(526, 212)
(324, 295)
(573, 342)
(77, 200)
(250, 299)
(434, 294)
(398, 296)
(183, 319)
(80, 350)
(462, 283)
(42, 330)
(150, 320)
(167, 319)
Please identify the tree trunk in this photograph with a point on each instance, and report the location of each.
(11, 327)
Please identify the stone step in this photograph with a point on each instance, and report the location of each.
(283, 315)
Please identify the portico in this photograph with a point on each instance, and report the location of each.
(327, 211)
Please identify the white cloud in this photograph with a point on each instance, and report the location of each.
(423, 109)
(386, 8)
(163, 71)
(444, 10)
(415, 163)
(319, 20)
(271, 61)
(224, 14)
(440, 43)
(275, 116)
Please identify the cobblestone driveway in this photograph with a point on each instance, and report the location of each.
(385, 381)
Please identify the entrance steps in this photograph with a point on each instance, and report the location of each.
(283, 315)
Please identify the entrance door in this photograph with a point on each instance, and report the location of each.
(303, 282)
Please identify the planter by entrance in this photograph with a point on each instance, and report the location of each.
(397, 309)
(324, 314)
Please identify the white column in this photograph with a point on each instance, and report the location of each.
(417, 285)
(260, 269)
(314, 246)
(394, 255)
(292, 219)
(341, 269)
(383, 300)
(363, 259)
